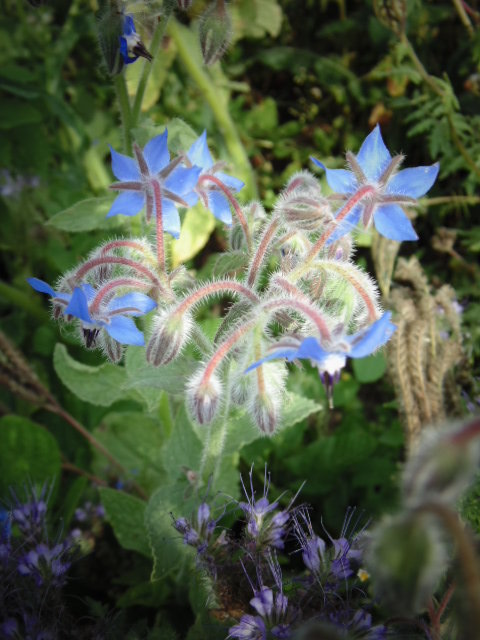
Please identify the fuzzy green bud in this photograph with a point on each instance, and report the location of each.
(110, 28)
(203, 396)
(215, 32)
(169, 335)
(406, 559)
(444, 465)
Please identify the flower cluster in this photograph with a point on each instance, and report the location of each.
(315, 304)
(33, 569)
(276, 603)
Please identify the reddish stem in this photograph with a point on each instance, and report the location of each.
(111, 286)
(214, 287)
(342, 214)
(238, 211)
(98, 262)
(157, 194)
(262, 250)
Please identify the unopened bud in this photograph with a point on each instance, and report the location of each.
(444, 465)
(304, 210)
(111, 348)
(406, 559)
(266, 401)
(215, 32)
(203, 396)
(110, 28)
(169, 335)
(341, 249)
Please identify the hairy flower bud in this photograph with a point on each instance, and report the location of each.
(444, 465)
(184, 5)
(110, 347)
(203, 396)
(304, 209)
(169, 335)
(110, 28)
(266, 399)
(406, 559)
(215, 32)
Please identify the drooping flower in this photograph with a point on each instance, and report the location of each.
(391, 190)
(131, 47)
(330, 361)
(152, 181)
(112, 315)
(213, 186)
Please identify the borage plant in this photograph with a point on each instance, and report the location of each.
(298, 294)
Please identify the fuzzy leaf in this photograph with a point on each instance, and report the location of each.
(28, 454)
(126, 515)
(86, 215)
(101, 385)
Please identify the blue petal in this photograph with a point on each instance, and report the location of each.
(229, 181)
(219, 206)
(78, 306)
(290, 354)
(373, 156)
(134, 300)
(128, 203)
(366, 342)
(171, 219)
(124, 52)
(339, 180)
(43, 287)
(128, 26)
(89, 291)
(311, 349)
(123, 167)
(347, 225)
(124, 330)
(199, 154)
(414, 182)
(156, 153)
(190, 198)
(183, 179)
(390, 220)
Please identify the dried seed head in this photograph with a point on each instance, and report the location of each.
(203, 396)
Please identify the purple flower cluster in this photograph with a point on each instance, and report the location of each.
(32, 569)
(329, 591)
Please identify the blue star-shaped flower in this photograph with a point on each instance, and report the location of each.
(131, 47)
(113, 316)
(151, 180)
(392, 189)
(330, 362)
(213, 184)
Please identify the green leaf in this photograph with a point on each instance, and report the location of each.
(28, 454)
(126, 514)
(16, 113)
(230, 262)
(86, 215)
(168, 550)
(143, 377)
(101, 385)
(256, 18)
(136, 441)
(181, 136)
(183, 449)
(370, 369)
(196, 229)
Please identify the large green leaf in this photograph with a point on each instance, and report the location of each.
(101, 385)
(370, 369)
(168, 550)
(183, 449)
(136, 441)
(28, 454)
(87, 215)
(143, 377)
(126, 514)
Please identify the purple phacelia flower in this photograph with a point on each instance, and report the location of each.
(389, 190)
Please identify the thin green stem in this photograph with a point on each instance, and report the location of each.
(183, 41)
(125, 111)
(147, 66)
